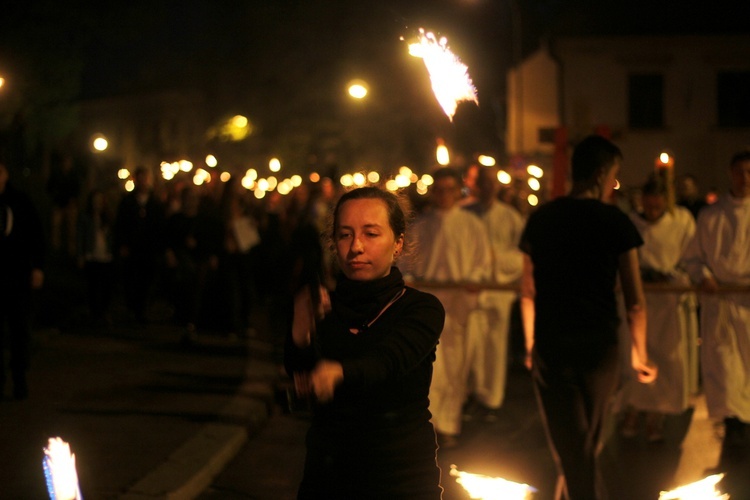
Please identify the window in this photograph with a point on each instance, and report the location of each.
(646, 101)
(733, 99)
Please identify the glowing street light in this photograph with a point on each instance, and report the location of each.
(100, 143)
(274, 165)
(357, 89)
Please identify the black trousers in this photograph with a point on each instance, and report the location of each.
(574, 393)
(15, 305)
(398, 463)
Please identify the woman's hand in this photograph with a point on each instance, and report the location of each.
(325, 377)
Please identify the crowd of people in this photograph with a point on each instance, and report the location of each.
(595, 344)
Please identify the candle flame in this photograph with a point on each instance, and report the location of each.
(491, 488)
(450, 78)
(60, 471)
(699, 490)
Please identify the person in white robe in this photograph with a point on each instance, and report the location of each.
(452, 247)
(719, 259)
(488, 357)
(671, 317)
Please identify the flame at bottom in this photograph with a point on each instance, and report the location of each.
(491, 488)
(699, 490)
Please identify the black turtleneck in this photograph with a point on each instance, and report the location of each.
(388, 365)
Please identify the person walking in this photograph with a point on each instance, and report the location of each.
(489, 359)
(453, 249)
(719, 256)
(671, 317)
(575, 246)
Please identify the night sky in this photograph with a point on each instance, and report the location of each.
(287, 60)
(119, 46)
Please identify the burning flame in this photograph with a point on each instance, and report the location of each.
(60, 471)
(699, 490)
(491, 488)
(450, 78)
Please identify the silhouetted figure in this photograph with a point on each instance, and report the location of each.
(574, 247)
(64, 188)
(95, 254)
(193, 243)
(21, 264)
(241, 236)
(139, 242)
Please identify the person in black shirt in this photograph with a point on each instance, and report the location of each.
(21, 264)
(574, 248)
(368, 363)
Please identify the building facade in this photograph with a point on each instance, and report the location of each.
(684, 95)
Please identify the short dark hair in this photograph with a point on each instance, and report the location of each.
(743, 155)
(591, 154)
(448, 172)
(397, 213)
(655, 186)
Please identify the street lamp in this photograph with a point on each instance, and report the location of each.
(357, 89)
(99, 143)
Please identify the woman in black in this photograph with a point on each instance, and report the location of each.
(367, 361)
(574, 248)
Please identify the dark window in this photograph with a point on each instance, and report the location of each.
(733, 99)
(646, 101)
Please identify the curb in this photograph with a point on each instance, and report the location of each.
(190, 469)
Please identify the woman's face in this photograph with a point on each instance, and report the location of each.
(365, 243)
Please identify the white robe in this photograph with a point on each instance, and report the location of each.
(452, 246)
(488, 358)
(721, 248)
(671, 319)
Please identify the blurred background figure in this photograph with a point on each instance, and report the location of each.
(488, 359)
(671, 317)
(719, 256)
(453, 247)
(21, 263)
(193, 242)
(241, 236)
(139, 242)
(688, 194)
(95, 255)
(64, 189)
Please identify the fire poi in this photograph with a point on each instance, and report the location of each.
(491, 488)
(60, 471)
(699, 490)
(449, 77)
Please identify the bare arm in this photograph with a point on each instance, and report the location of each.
(528, 310)
(635, 305)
